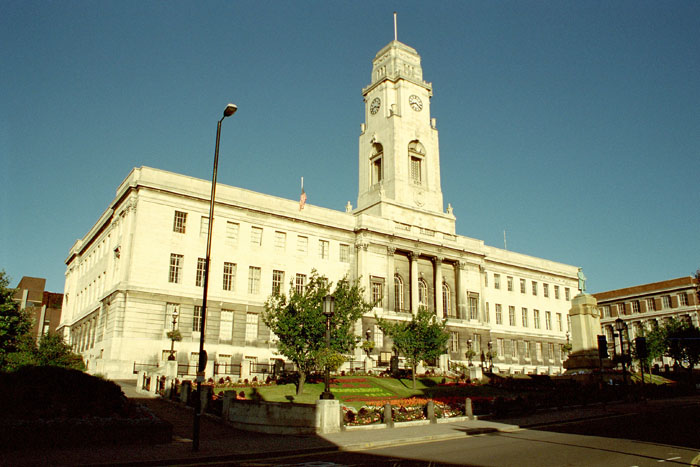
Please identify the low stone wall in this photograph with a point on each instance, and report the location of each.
(281, 417)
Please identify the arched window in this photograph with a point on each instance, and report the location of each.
(376, 168)
(422, 293)
(398, 293)
(416, 156)
(446, 308)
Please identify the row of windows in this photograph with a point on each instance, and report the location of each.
(513, 349)
(525, 318)
(225, 322)
(416, 155)
(534, 286)
(635, 306)
(256, 237)
(229, 276)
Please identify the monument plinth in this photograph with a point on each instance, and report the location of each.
(585, 327)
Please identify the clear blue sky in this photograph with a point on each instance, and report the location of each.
(575, 126)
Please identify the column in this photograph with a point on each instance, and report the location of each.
(413, 260)
(391, 299)
(362, 275)
(461, 299)
(437, 274)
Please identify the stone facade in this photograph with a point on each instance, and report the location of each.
(143, 258)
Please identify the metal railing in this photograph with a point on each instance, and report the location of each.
(187, 369)
(228, 369)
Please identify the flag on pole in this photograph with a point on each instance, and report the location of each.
(302, 198)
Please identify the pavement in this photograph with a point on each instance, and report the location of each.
(220, 442)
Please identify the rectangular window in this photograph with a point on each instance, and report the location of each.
(499, 347)
(180, 222)
(232, 229)
(526, 349)
(486, 279)
(197, 319)
(473, 307)
(454, 341)
(416, 170)
(203, 225)
(378, 337)
(524, 312)
(280, 240)
(548, 320)
(556, 292)
(682, 300)
(536, 318)
(635, 306)
(199, 278)
(514, 348)
(487, 313)
(253, 280)
(534, 288)
(376, 170)
(545, 290)
(251, 327)
(300, 283)
(377, 292)
(175, 268)
(226, 325)
(509, 281)
(511, 315)
(567, 294)
(551, 351)
(277, 281)
(620, 309)
(522, 285)
(323, 249)
(538, 349)
(560, 327)
(606, 311)
(256, 236)
(496, 281)
(651, 305)
(302, 244)
(666, 301)
(344, 253)
(229, 276)
(499, 316)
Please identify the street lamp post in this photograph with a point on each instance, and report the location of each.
(490, 356)
(470, 354)
(620, 326)
(172, 336)
(328, 308)
(228, 111)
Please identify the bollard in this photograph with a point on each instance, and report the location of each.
(468, 410)
(388, 418)
(430, 409)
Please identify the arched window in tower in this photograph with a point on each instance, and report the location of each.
(376, 160)
(398, 293)
(422, 293)
(446, 308)
(416, 157)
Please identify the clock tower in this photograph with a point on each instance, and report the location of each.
(399, 157)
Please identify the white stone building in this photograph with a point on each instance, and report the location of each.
(143, 259)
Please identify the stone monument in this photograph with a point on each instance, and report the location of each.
(585, 327)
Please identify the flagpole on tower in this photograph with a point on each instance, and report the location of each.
(396, 36)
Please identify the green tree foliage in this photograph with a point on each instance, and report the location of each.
(18, 348)
(298, 322)
(15, 324)
(422, 338)
(682, 343)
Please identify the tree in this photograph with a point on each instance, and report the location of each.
(298, 322)
(682, 341)
(15, 324)
(422, 338)
(53, 351)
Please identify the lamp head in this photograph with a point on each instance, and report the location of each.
(328, 305)
(619, 325)
(230, 110)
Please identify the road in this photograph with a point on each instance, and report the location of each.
(659, 437)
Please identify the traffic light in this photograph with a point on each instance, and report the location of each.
(602, 347)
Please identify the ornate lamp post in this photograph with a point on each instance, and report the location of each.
(621, 326)
(173, 336)
(328, 308)
(228, 111)
(470, 352)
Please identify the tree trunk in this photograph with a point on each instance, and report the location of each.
(300, 383)
(413, 373)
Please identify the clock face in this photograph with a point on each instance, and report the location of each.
(415, 103)
(374, 106)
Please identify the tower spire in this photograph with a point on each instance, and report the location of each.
(396, 37)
